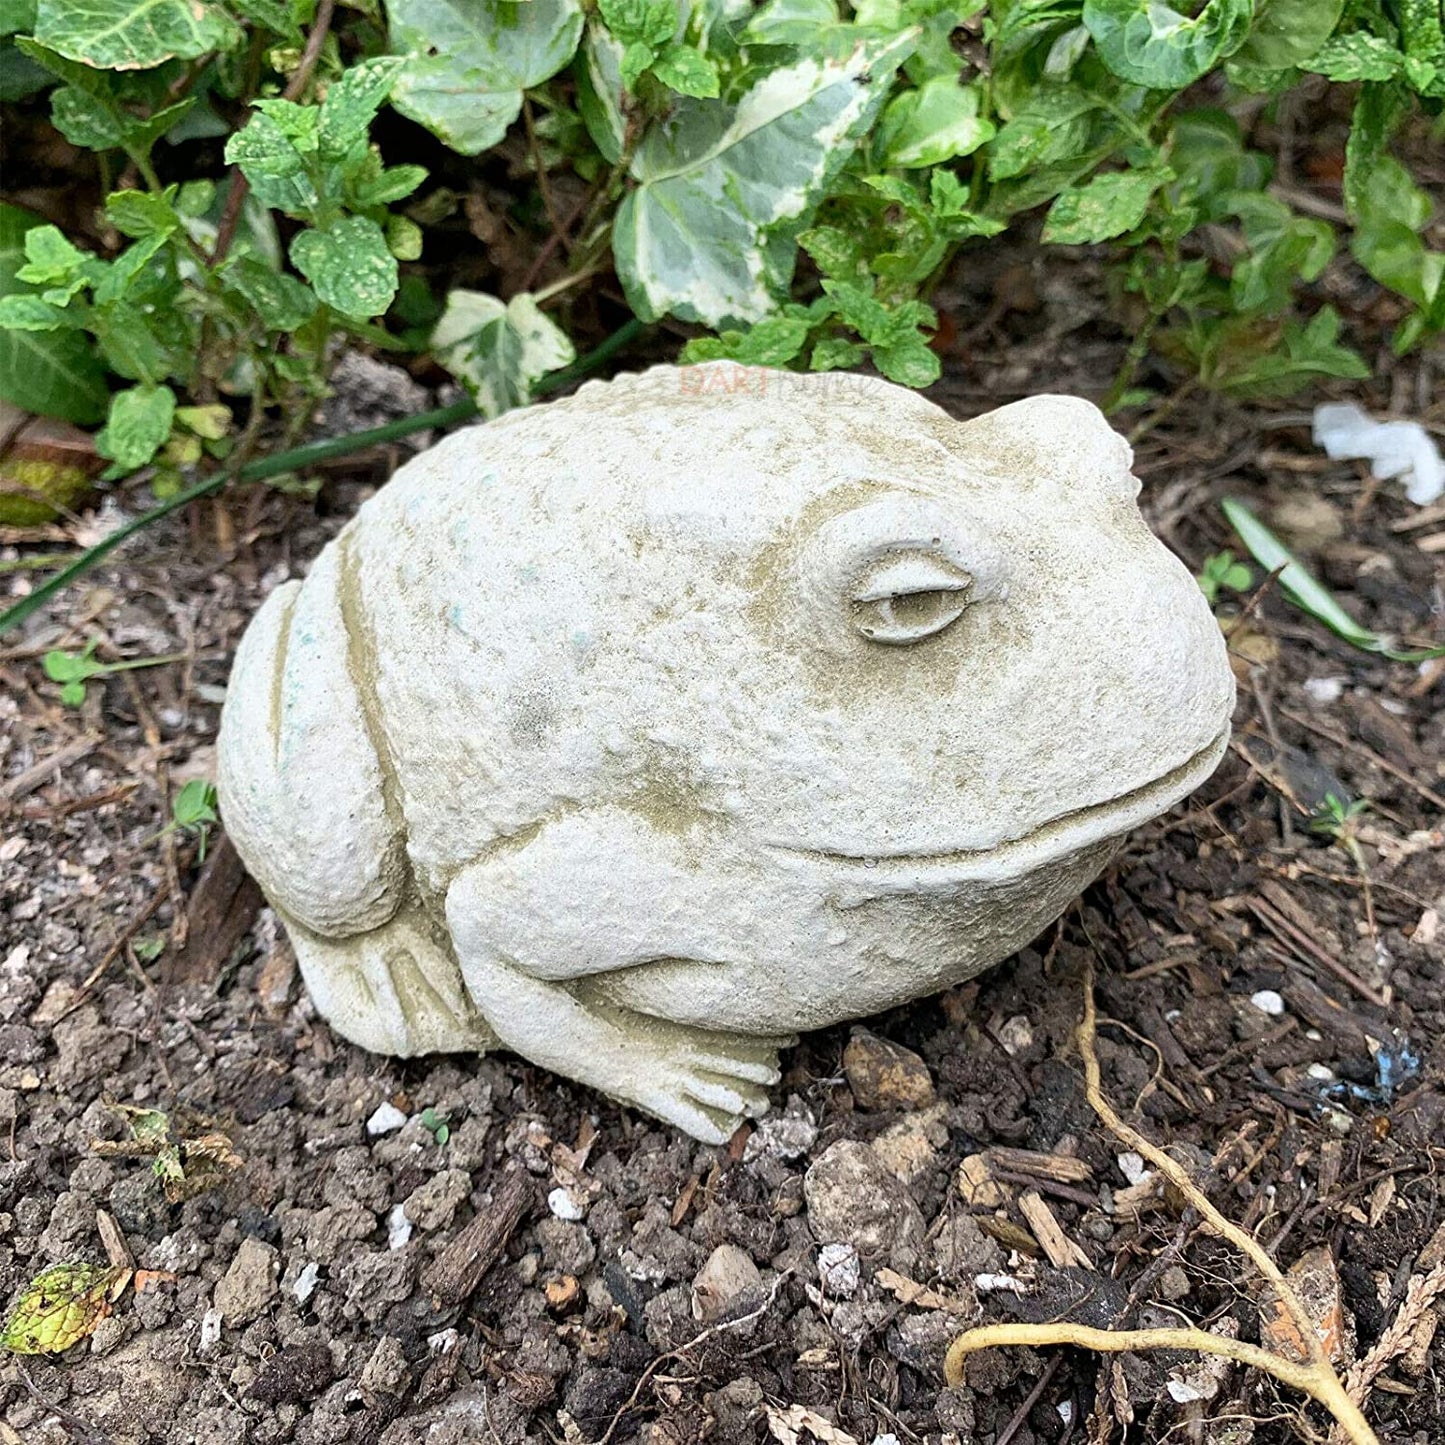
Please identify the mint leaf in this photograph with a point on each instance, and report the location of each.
(350, 266)
(687, 71)
(1104, 207)
(138, 425)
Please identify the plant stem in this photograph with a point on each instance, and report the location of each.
(266, 467)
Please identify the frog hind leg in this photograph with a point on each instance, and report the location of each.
(309, 802)
(592, 894)
(393, 990)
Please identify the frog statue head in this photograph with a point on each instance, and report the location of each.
(640, 730)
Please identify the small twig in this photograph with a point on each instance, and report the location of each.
(1314, 1376)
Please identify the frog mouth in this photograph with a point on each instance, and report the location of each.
(1066, 834)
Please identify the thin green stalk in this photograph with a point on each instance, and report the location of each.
(296, 460)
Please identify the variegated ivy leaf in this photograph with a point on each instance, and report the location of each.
(709, 232)
(599, 91)
(133, 34)
(498, 351)
(468, 61)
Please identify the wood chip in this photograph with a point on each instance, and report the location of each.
(222, 908)
(1059, 1249)
(978, 1186)
(1061, 1168)
(461, 1266)
(117, 1251)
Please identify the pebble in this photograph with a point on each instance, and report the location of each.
(305, 1283)
(728, 1274)
(563, 1205)
(210, 1330)
(1132, 1166)
(251, 1282)
(783, 1136)
(854, 1199)
(885, 1075)
(1267, 1001)
(387, 1120)
(840, 1270)
(398, 1227)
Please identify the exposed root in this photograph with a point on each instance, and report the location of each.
(1314, 1376)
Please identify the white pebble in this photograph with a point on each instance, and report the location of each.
(305, 1284)
(1267, 1001)
(840, 1270)
(1322, 1072)
(387, 1120)
(1324, 690)
(398, 1227)
(210, 1329)
(1132, 1167)
(563, 1205)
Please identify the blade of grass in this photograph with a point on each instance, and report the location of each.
(297, 460)
(1306, 591)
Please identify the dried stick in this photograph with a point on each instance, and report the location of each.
(1315, 1376)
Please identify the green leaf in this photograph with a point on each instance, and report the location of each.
(60, 1307)
(498, 351)
(646, 22)
(53, 372)
(1357, 56)
(403, 238)
(350, 266)
(1148, 42)
(16, 15)
(774, 341)
(262, 148)
(195, 804)
(599, 91)
(394, 183)
(352, 102)
(835, 252)
(708, 233)
(30, 313)
(1104, 207)
(133, 34)
(90, 121)
(835, 353)
(1305, 590)
(138, 425)
(687, 71)
(637, 56)
(468, 61)
(1052, 125)
(933, 124)
(140, 213)
(790, 22)
(909, 363)
(1287, 32)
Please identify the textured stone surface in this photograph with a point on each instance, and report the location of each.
(640, 730)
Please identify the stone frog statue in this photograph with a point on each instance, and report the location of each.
(638, 731)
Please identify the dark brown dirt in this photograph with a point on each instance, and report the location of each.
(585, 1331)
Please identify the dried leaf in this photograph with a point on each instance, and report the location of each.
(786, 1427)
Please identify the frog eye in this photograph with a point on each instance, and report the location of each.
(905, 598)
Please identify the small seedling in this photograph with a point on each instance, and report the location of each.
(193, 810)
(1339, 821)
(149, 948)
(437, 1124)
(1221, 572)
(72, 670)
